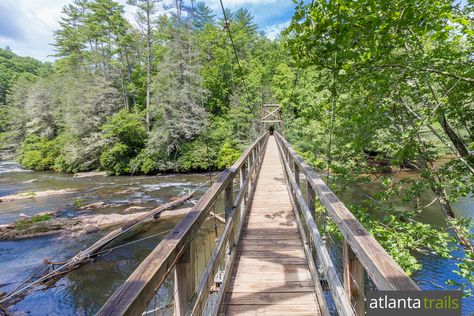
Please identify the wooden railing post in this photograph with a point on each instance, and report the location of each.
(229, 199)
(297, 173)
(353, 279)
(184, 281)
(310, 200)
(249, 174)
(243, 204)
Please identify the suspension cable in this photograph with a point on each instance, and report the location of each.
(227, 26)
(333, 101)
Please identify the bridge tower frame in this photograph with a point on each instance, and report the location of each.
(271, 115)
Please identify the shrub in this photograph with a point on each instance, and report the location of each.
(195, 156)
(227, 155)
(145, 162)
(125, 136)
(38, 153)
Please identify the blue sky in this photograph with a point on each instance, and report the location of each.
(27, 26)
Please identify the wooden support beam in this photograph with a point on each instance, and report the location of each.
(311, 200)
(353, 279)
(184, 281)
(297, 173)
(229, 199)
(242, 189)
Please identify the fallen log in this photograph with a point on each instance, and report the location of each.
(78, 225)
(86, 254)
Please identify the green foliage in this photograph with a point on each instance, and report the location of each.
(385, 86)
(145, 162)
(13, 67)
(125, 136)
(401, 236)
(195, 156)
(466, 263)
(227, 155)
(23, 224)
(38, 153)
(204, 105)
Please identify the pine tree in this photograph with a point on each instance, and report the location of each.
(202, 16)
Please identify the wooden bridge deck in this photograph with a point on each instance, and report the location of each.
(271, 274)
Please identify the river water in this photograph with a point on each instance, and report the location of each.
(84, 291)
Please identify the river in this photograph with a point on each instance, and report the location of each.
(83, 291)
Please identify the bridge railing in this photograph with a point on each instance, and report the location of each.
(361, 252)
(195, 291)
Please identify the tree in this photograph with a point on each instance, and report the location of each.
(202, 16)
(179, 112)
(146, 9)
(395, 68)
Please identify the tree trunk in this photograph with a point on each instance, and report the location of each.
(441, 195)
(455, 139)
(148, 69)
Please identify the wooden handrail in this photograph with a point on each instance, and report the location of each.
(359, 246)
(341, 300)
(384, 271)
(173, 252)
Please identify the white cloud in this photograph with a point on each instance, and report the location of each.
(273, 31)
(28, 26)
(232, 4)
(37, 21)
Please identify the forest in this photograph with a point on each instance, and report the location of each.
(167, 96)
(368, 90)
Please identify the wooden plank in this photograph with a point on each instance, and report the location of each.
(184, 281)
(272, 268)
(279, 249)
(281, 236)
(278, 253)
(380, 266)
(269, 261)
(229, 199)
(273, 310)
(311, 200)
(274, 286)
(273, 298)
(269, 242)
(266, 277)
(271, 230)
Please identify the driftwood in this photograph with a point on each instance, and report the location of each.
(85, 254)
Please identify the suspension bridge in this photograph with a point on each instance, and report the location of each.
(270, 258)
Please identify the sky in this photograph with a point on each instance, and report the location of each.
(27, 26)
